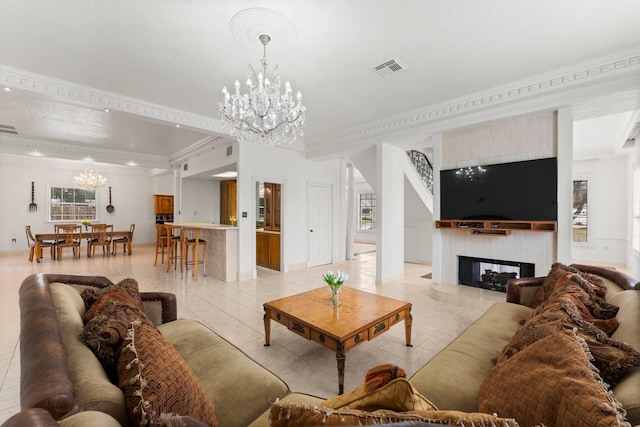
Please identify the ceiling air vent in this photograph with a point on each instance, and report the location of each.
(390, 67)
(8, 129)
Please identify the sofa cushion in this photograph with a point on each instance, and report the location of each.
(157, 382)
(627, 391)
(288, 414)
(613, 358)
(398, 395)
(93, 389)
(562, 388)
(218, 365)
(452, 378)
(107, 320)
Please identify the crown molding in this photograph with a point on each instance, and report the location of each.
(542, 85)
(21, 79)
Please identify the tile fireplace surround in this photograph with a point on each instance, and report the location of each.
(537, 248)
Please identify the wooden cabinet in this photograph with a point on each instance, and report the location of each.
(162, 204)
(228, 201)
(268, 250)
(272, 196)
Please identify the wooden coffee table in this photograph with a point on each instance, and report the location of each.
(362, 316)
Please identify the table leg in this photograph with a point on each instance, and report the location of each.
(129, 245)
(267, 327)
(340, 357)
(38, 250)
(408, 321)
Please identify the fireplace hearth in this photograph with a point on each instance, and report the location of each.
(491, 274)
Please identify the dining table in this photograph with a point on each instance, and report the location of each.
(41, 237)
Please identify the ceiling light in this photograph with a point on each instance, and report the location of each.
(7, 89)
(107, 110)
(263, 115)
(90, 179)
(228, 174)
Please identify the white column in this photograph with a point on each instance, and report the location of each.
(351, 215)
(389, 213)
(436, 249)
(564, 237)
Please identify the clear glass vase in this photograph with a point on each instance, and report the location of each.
(334, 301)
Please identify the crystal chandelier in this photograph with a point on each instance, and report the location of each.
(263, 115)
(90, 179)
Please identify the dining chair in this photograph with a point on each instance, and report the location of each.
(31, 241)
(191, 241)
(101, 235)
(161, 242)
(68, 236)
(125, 241)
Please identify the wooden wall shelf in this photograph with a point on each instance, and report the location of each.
(497, 227)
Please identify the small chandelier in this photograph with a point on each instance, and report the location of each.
(263, 115)
(90, 179)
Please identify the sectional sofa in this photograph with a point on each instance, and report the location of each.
(496, 368)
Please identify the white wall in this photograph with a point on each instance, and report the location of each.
(294, 172)
(200, 201)
(418, 222)
(131, 195)
(607, 210)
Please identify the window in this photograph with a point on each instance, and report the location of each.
(580, 218)
(367, 212)
(71, 204)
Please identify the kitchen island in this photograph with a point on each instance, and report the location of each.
(222, 248)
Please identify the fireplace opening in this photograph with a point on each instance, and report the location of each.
(492, 274)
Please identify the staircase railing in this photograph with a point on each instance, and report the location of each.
(423, 167)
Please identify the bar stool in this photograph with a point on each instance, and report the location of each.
(175, 245)
(161, 242)
(192, 240)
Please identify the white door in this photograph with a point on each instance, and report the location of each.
(319, 208)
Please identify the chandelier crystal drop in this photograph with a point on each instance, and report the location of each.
(90, 179)
(264, 115)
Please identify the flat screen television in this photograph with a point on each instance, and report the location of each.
(518, 191)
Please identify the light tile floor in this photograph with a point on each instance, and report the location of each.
(234, 310)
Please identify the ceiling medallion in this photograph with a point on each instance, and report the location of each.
(263, 114)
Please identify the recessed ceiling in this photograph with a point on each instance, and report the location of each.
(156, 64)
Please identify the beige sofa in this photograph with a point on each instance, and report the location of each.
(62, 376)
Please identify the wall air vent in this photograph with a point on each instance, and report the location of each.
(229, 150)
(185, 167)
(8, 129)
(390, 67)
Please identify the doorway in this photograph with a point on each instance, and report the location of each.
(268, 224)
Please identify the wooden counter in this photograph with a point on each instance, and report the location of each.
(222, 248)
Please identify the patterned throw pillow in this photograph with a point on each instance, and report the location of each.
(288, 414)
(398, 395)
(108, 318)
(159, 386)
(613, 358)
(551, 382)
(559, 270)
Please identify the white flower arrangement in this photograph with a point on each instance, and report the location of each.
(334, 280)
